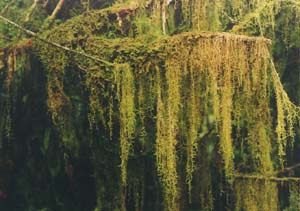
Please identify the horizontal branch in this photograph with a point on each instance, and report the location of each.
(267, 178)
(34, 35)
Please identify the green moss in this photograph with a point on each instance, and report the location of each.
(160, 94)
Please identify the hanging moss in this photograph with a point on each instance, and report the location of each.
(256, 195)
(194, 124)
(293, 198)
(167, 123)
(232, 91)
(126, 95)
(239, 14)
(287, 114)
(238, 83)
(17, 63)
(156, 98)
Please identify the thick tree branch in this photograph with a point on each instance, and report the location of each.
(34, 35)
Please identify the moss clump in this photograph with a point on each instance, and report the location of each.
(234, 88)
(233, 91)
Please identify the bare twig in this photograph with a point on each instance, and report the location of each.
(57, 9)
(45, 4)
(232, 20)
(164, 15)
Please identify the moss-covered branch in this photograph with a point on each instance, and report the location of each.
(34, 35)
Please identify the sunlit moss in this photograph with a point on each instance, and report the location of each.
(194, 124)
(201, 79)
(234, 88)
(125, 85)
(256, 195)
(166, 131)
(287, 114)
